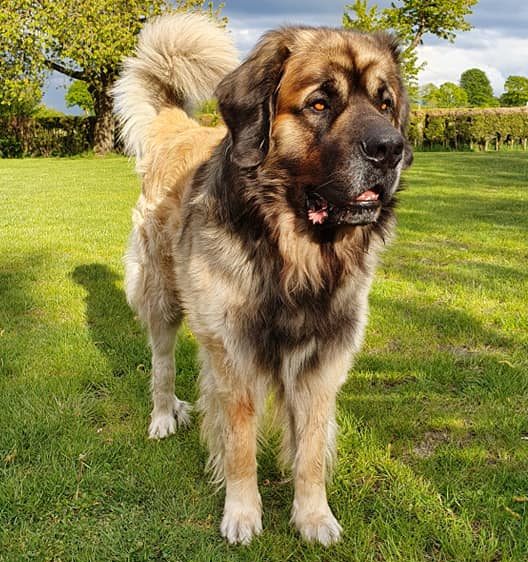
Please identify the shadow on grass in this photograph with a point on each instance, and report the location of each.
(457, 354)
(111, 323)
(117, 333)
(20, 314)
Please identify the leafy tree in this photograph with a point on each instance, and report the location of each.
(19, 96)
(20, 92)
(428, 95)
(451, 95)
(45, 111)
(446, 95)
(478, 88)
(516, 91)
(83, 39)
(411, 20)
(78, 95)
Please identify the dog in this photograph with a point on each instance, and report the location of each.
(264, 233)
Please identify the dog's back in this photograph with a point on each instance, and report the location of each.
(180, 59)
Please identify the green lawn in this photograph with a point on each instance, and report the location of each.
(433, 449)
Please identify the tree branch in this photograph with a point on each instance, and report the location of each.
(416, 41)
(420, 32)
(77, 74)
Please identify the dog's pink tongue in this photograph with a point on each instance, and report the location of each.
(317, 217)
(368, 195)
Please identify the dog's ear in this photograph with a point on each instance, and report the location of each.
(246, 99)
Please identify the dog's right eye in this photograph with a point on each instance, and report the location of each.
(319, 105)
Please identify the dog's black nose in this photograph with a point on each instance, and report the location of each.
(385, 150)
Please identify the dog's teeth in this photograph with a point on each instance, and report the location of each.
(368, 195)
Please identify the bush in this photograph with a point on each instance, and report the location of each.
(469, 128)
(45, 136)
(455, 129)
(208, 114)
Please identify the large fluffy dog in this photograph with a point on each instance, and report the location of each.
(264, 234)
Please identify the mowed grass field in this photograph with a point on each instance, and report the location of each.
(433, 447)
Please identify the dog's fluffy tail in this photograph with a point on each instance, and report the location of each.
(180, 59)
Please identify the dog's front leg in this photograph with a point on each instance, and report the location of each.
(242, 511)
(229, 404)
(311, 407)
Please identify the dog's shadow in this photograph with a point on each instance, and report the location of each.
(118, 334)
(112, 326)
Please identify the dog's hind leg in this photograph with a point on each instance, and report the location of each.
(168, 411)
(157, 306)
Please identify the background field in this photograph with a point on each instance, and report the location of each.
(433, 450)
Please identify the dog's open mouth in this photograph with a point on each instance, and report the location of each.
(363, 209)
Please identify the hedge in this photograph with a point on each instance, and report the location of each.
(447, 128)
(469, 128)
(45, 136)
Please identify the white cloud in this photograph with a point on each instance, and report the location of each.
(497, 55)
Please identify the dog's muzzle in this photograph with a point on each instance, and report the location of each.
(368, 182)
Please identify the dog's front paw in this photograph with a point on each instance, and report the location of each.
(240, 524)
(165, 422)
(318, 526)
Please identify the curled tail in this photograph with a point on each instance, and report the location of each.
(180, 59)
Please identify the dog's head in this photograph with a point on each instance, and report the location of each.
(326, 107)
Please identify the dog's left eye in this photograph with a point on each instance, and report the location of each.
(385, 106)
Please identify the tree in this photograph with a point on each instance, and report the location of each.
(83, 39)
(478, 88)
(78, 95)
(20, 92)
(428, 95)
(451, 95)
(411, 20)
(19, 96)
(43, 111)
(516, 92)
(446, 95)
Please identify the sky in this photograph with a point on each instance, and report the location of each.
(497, 44)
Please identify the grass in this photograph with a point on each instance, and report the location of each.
(433, 449)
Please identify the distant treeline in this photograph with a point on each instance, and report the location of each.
(475, 129)
(453, 129)
(45, 136)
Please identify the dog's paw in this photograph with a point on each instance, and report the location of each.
(165, 423)
(318, 526)
(182, 412)
(240, 524)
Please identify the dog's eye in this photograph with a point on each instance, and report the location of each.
(319, 105)
(385, 106)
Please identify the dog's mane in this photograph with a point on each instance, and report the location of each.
(253, 205)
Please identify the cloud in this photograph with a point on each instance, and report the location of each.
(498, 55)
(289, 7)
(508, 17)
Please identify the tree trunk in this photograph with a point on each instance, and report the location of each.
(104, 121)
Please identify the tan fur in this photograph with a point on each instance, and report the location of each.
(176, 146)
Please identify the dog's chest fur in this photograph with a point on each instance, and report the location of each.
(233, 290)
